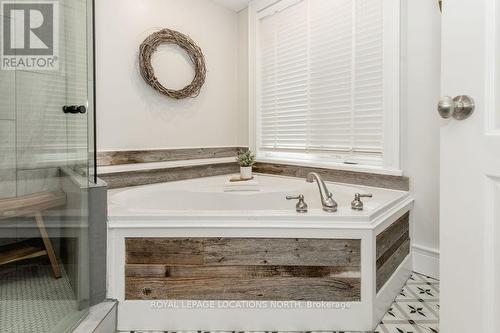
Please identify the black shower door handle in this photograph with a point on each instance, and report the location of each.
(74, 109)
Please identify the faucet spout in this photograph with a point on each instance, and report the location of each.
(329, 205)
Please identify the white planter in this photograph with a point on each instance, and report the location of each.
(246, 172)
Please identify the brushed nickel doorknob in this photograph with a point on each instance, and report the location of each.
(460, 107)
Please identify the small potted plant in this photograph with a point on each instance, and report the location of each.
(246, 160)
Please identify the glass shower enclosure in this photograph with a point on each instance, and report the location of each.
(47, 163)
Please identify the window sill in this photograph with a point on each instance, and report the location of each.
(335, 166)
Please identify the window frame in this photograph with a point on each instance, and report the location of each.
(391, 164)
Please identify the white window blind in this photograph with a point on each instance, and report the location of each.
(321, 79)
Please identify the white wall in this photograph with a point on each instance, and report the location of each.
(131, 115)
(421, 34)
(243, 77)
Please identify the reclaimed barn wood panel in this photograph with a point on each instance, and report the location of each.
(387, 238)
(390, 252)
(292, 252)
(169, 251)
(105, 158)
(154, 176)
(249, 288)
(393, 262)
(243, 269)
(243, 251)
(340, 176)
(178, 272)
(392, 247)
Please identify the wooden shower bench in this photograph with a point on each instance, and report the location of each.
(31, 205)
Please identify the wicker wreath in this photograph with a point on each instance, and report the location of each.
(167, 36)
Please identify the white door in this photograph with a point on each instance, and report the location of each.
(470, 169)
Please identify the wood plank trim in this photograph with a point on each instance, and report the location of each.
(387, 238)
(145, 177)
(390, 266)
(168, 251)
(340, 176)
(180, 272)
(392, 247)
(243, 251)
(106, 158)
(395, 246)
(272, 288)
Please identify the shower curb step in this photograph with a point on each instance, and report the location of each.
(101, 319)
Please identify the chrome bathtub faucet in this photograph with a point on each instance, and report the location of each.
(329, 205)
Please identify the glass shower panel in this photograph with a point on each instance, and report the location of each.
(77, 79)
(44, 164)
(7, 134)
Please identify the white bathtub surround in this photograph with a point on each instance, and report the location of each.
(101, 318)
(200, 208)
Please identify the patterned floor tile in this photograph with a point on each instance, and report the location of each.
(416, 311)
(434, 306)
(432, 328)
(417, 278)
(406, 294)
(416, 308)
(425, 292)
(399, 328)
(410, 326)
(395, 313)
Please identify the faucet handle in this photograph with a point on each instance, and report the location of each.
(357, 204)
(301, 206)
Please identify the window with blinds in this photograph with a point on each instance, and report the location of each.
(320, 70)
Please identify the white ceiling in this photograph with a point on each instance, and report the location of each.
(235, 5)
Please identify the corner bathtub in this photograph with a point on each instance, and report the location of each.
(144, 220)
(205, 197)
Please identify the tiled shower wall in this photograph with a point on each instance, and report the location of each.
(32, 131)
(7, 134)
